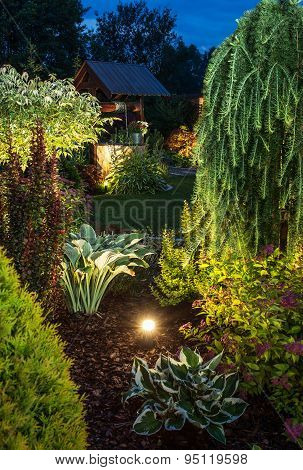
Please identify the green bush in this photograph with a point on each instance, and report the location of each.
(39, 405)
(253, 310)
(138, 172)
(92, 262)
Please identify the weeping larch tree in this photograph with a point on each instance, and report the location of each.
(250, 134)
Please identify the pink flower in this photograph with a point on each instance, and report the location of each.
(207, 338)
(262, 348)
(268, 250)
(202, 324)
(293, 430)
(281, 382)
(294, 348)
(248, 377)
(197, 304)
(186, 326)
(289, 300)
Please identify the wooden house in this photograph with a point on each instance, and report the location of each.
(120, 88)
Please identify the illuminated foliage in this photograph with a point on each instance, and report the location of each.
(250, 140)
(70, 120)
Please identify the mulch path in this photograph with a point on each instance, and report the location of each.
(102, 349)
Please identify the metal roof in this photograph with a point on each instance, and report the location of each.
(127, 79)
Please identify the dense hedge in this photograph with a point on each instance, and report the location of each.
(39, 405)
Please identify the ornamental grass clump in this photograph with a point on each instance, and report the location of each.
(187, 390)
(39, 404)
(91, 263)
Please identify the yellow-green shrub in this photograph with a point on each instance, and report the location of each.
(39, 405)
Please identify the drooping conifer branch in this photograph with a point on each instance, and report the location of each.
(250, 136)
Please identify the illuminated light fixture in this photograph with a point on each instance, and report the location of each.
(148, 326)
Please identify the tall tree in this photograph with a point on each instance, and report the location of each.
(134, 33)
(41, 36)
(182, 67)
(250, 153)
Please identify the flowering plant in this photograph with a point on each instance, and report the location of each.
(253, 310)
(139, 127)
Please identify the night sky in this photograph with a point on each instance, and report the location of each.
(202, 22)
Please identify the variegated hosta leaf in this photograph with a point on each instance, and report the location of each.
(235, 407)
(177, 369)
(143, 379)
(219, 382)
(133, 392)
(217, 432)
(187, 390)
(147, 423)
(92, 262)
(162, 363)
(214, 362)
(190, 357)
(199, 421)
(137, 361)
(231, 385)
(175, 422)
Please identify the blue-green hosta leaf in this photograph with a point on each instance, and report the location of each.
(235, 407)
(178, 370)
(72, 254)
(143, 379)
(88, 233)
(214, 362)
(147, 423)
(83, 246)
(175, 422)
(232, 382)
(143, 252)
(217, 432)
(190, 357)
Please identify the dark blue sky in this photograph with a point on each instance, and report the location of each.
(202, 22)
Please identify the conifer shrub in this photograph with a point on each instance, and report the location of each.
(178, 272)
(39, 404)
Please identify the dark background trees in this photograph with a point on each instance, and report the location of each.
(139, 34)
(49, 36)
(42, 36)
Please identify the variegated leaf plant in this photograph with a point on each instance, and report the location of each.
(91, 262)
(185, 390)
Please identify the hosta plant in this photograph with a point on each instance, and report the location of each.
(91, 262)
(186, 390)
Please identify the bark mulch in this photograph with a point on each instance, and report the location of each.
(102, 349)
